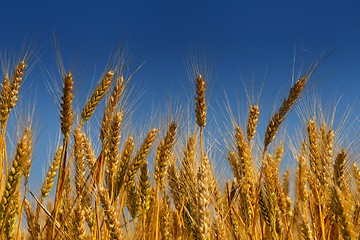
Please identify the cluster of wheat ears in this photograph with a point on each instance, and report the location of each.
(107, 191)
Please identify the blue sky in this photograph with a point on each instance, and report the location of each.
(249, 41)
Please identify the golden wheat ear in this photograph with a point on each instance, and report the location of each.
(140, 157)
(16, 83)
(204, 219)
(200, 108)
(112, 153)
(284, 109)
(49, 179)
(112, 104)
(163, 155)
(123, 165)
(96, 97)
(32, 221)
(340, 206)
(111, 220)
(4, 101)
(356, 174)
(80, 170)
(144, 183)
(253, 120)
(67, 113)
(23, 153)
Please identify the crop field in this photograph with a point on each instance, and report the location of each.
(108, 180)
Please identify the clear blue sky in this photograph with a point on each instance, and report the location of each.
(248, 40)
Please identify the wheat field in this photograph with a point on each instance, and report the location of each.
(162, 184)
